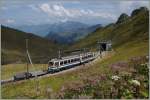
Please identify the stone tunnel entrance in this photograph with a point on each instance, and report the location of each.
(105, 45)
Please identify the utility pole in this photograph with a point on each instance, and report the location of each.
(59, 54)
(99, 47)
(27, 55)
(29, 58)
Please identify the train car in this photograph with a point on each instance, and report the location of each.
(67, 62)
(23, 75)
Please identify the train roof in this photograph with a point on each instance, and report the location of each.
(67, 57)
(64, 58)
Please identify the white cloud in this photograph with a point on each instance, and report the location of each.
(101, 14)
(10, 21)
(4, 8)
(125, 5)
(64, 20)
(45, 7)
(55, 10)
(105, 15)
(58, 10)
(33, 7)
(128, 5)
(56, 7)
(6, 21)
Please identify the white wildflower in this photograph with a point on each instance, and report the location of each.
(135, 82)
(49, 89)
(142, 64)
(115, 77)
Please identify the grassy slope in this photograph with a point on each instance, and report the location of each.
(13, 45)
(130, 42)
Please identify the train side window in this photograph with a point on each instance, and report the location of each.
(56, 63)
(61, 63)
(65, 62)
(71, 60)
(89, 56)
(76, 59)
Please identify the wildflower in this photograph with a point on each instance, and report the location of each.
(120, 64)
(102, 77)
(147, 57)
(62, 89)
(135, 82)
(115, 77)
(49, 90)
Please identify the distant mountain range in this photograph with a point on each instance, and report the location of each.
(62, 32)
(70, 33)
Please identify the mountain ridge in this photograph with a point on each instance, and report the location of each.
(72, 36)
(134, 28)
(62, 32)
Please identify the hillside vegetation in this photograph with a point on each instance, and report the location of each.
(14, 47)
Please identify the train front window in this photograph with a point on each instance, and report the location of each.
(50, 64)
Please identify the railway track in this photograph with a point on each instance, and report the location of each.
(36, 73)
(40, 74)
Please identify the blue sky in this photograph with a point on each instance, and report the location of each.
(35, 12)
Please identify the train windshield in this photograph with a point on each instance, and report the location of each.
(50, 64)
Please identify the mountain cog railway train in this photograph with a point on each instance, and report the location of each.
(67, 62)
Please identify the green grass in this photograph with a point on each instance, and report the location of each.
(8, 71)
(27, 88)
